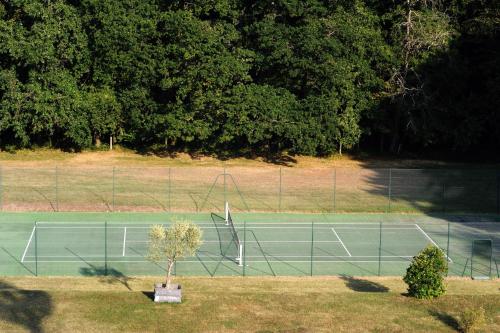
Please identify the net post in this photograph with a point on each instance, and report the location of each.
(312, 246)
(244, 247)
(57, 187)
(36, 248)
(240, 255)
(380, 249)
(113, 192)
(279, 193)
(106, 248)
(226, 212)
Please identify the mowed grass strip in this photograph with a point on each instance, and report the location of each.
(329, 304)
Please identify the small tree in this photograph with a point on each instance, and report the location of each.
(471, 320)
(425, 275)
(181, 239)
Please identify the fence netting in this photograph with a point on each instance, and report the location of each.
(272, 189)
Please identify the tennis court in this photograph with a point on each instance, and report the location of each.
(271, 244)
(273, 247)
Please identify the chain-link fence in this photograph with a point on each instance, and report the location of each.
(271, 189)
(268, 248)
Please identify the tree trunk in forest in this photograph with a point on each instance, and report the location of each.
(97, 140)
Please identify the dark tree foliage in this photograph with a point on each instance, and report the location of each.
(311, 77)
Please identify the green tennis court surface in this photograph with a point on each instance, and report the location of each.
(272, 245)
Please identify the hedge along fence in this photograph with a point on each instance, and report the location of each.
(195, 189)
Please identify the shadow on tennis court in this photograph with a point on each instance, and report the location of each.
(110, 275)
(362, 285)
(25, 308)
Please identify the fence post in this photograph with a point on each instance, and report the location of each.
(57, 188)
(498, 192)
(448, 247)
(334, 189)
(113, 195)
(36, 248)
(169, 189)
(244, 247)
(225, 185)
(106, 248)
(312, 246)
(1, 188)
(380, 248)
(390, 188)
(444, 198)
(279, 195)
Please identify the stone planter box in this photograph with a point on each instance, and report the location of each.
(172, 295)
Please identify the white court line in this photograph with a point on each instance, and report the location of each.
(197, 261)
(136, 224)
(238, 227)
(432, 241)
(124, 240)
(29, 241)
(203, 256)
(250, 241)
(341, 242)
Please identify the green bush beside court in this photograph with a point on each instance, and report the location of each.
(425, 275)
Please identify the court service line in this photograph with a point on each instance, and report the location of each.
(124, 240)
(341, 242)
(432, 241)
(29, 242)
(253, 241)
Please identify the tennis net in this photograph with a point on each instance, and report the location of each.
(229, 242)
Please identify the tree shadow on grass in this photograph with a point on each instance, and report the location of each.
(362, 285)
(26, 308)
(446, 318)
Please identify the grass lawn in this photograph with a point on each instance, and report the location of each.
(125, 157)
(122, 304)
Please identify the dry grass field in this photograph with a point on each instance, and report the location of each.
(343, 304)
(124, 157)
(122, 180)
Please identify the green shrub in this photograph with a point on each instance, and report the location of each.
(425, 275)
(472, 319)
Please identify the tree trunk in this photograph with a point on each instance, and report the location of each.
(169, 272)
(97, 141)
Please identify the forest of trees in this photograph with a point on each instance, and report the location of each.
(311, 77)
